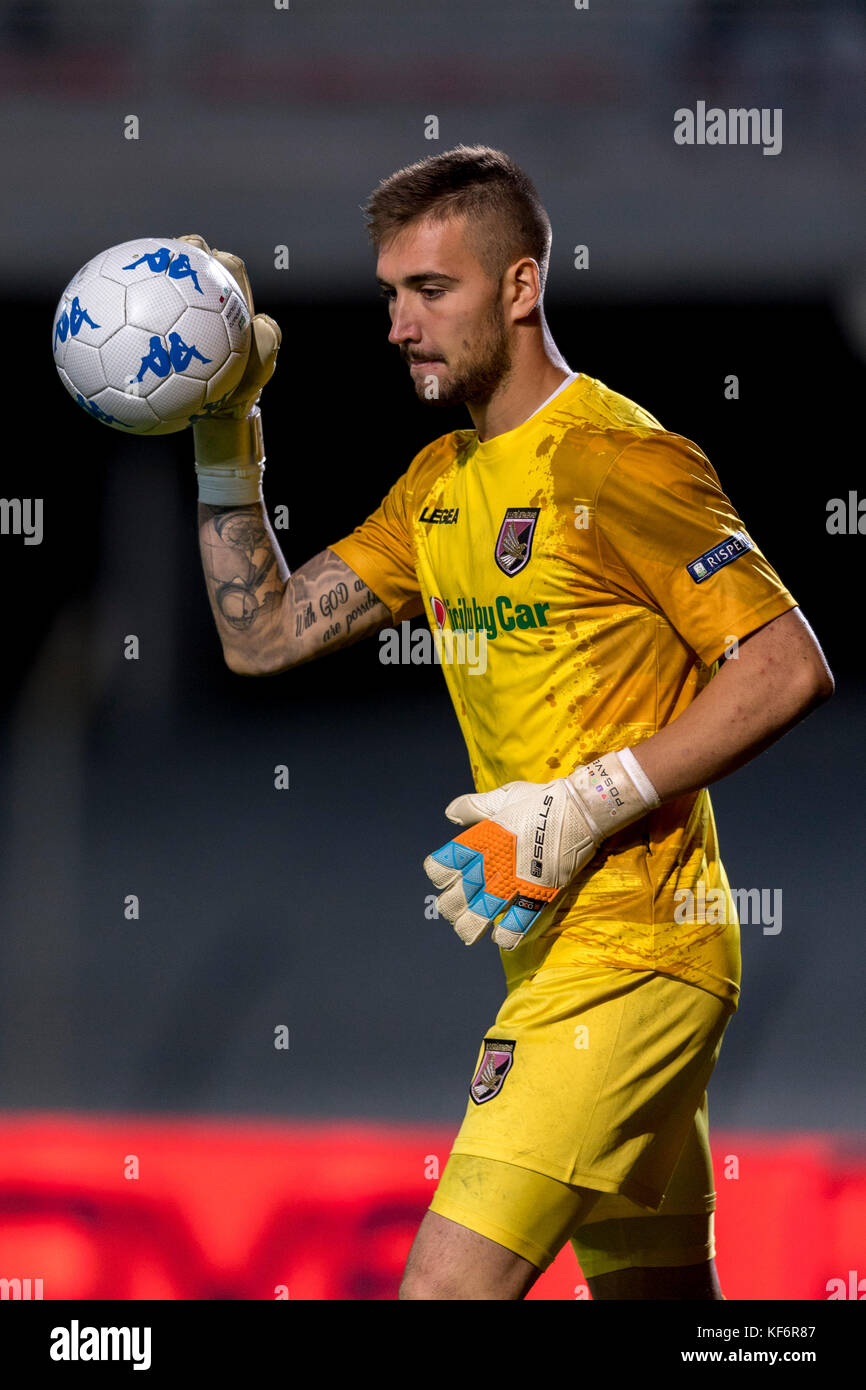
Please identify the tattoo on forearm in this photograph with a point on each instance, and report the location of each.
(238, 597)
(304, 618)
(331, 599)
(325, 588)
(369, 601)
(276, 619)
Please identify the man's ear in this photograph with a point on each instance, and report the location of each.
(525, 278)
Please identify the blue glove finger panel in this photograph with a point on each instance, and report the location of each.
(470, 863)
(519, 918)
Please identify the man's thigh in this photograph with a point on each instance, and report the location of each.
(557, 1136)
(619, 1235)
(497, 1227)
(494, 1227)
(450, 1261)
(593, 1077)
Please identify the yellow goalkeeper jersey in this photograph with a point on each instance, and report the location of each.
(609, 574)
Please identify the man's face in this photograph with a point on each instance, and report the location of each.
(446, 315)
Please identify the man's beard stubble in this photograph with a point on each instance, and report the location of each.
(479, 379)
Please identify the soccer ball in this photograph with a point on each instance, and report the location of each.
(151, 335)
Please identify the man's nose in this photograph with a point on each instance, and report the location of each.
(403, 328)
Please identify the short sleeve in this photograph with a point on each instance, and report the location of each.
(380, 552)
(669, 537)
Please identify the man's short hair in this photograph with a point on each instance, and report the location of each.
(505, 218)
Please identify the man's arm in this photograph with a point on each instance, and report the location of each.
(526, 841)
(267, 618)
(779, 676)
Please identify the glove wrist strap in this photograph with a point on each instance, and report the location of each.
(640, 781)
(230, 459)
(614, 791)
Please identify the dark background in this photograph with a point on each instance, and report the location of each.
(307, 907)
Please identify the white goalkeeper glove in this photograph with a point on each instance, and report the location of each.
(527, 840)
(229, 447)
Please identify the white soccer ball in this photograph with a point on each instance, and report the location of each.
(151, 335)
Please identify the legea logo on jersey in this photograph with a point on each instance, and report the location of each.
(514, 542)
(440, 516)
(468, 615)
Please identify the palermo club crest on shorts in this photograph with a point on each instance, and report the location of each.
(493, 1068)
(514, 542)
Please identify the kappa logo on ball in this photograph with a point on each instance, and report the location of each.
(163, 260)
(492, 1070)
(151, 336)
(514, 542)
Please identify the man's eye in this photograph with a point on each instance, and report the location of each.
(429, 292)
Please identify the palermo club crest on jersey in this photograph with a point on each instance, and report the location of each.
(514, 543)
(493, 1068)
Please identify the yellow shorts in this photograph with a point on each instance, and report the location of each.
(592, 1078)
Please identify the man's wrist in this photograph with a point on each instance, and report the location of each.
(230, 459)
(640, 781)
(614, 791)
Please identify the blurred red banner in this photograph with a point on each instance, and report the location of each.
(149, 1207)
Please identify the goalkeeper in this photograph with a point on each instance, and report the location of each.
(639, 646)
